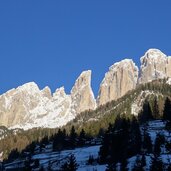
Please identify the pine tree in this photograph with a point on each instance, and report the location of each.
(70, 165)
(147, 144)
(168, 126)
(49, 166)
(58, 141)
(124, 165)
(169, 167)
(168, 147)
(36, 163)
(146, 113)
(138, 165)
(13, 155)
(41, 168)
(135, 138)
(143, 160)
(111, 167)
(64, 167)
(156, 114)
(167, 109)
(156, 164)
(73, 137)
(158, 142)
(91, 160)
(27, 164)
(104, 149)
(82, 138)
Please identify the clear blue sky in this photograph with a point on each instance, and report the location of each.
(51, 42)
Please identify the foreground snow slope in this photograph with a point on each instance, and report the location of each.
(56, 159)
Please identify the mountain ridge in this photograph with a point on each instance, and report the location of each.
(27, 106)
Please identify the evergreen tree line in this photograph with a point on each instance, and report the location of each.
(123, 139)
(60, 141)
(106, 114)
(70, 139)
(150, 111)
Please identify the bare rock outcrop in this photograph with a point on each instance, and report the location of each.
(27, 106)
(121, 77)
(154, 65)
(81, 94)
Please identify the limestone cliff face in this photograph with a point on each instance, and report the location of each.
(121, 77)
(81, 94)
(154, 65)
(27, 106)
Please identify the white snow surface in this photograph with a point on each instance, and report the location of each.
(154, 55)
(33, 107)
(137, 103)
(58, 158)
(169, 81)
(153, 128)
(40, 108)
(82, 154)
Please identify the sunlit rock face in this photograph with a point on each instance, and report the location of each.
(121, 77)
(81, 94)
(27, 106)
(154, 65)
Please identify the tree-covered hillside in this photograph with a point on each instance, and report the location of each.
(149, 97)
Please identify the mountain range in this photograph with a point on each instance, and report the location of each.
(27, 106)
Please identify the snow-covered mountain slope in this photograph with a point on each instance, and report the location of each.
(54, 159)
(27, 106)
(153, 128)
(138, 101)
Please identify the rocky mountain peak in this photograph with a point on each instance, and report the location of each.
(27, 106)
(154, 65)
(46, 92)
(83, 80)
(121, 64)
(154, 54)
(29, 87)
(121, 77)
(59, 92)
(81, 94)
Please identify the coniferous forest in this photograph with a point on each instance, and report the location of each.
(122, 137)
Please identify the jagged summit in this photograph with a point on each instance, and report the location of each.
(123, 63)
(121, 77)
(84, 79)
(154, 65)
(27, 106)
(30, 86)
(59, 92)
(154, 53)
(152, 56)
(81, 94)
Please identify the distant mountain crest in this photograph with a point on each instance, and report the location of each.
(154, 65)
(27, 106)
